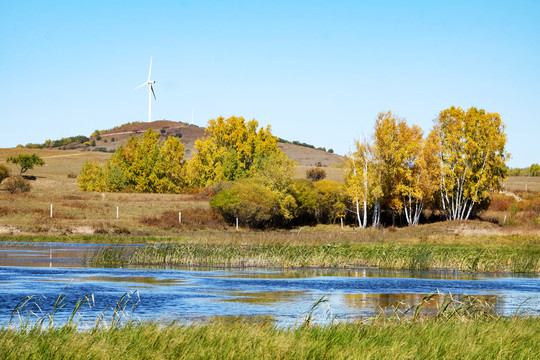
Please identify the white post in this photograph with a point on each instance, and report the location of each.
(504, 221)
(51, 211)
(179, 216)
(341, 223)
(236, 223)
(117, 212)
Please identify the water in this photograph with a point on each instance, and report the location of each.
(48, 270)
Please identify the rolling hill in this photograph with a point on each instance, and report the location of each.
(110, 140)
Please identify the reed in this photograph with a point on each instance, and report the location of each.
(464, 257)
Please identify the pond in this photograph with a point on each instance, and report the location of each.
(281, 296)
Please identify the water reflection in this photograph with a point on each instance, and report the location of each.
(194, 294)
(136, 280)
(373, 303)
(266, 297)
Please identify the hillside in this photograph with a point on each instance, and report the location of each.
(112, 139)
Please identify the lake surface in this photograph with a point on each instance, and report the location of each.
(282, 296)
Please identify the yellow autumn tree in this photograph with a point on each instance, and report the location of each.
(470, 149)
(359, 180)
(401, 167)
(140, 165)
(230, 150)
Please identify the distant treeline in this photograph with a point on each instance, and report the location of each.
(295, 142)
(533, 170)
(72, 142)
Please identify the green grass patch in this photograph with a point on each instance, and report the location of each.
(479, 339)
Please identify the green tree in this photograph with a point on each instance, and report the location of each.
(470, 149)
(26, 162)
(229, 151)
(534, 170)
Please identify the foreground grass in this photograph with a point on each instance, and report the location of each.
(464, 257)
(501, 338)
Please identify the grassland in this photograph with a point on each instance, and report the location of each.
(485, 339)
(522, 183)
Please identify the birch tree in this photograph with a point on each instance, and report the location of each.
(470, 148)
(357, 180)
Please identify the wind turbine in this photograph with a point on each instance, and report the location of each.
(150, 91)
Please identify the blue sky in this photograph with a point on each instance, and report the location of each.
(316, 71)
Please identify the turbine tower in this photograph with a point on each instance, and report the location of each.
(150, 91)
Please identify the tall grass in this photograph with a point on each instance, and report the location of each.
(459, 330)
(419, 256)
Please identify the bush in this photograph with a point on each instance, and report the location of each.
(17, 184)
(163, 131)
(4, 173)
(315, 174)
(252, 203)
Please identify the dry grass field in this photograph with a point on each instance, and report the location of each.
(77, 212)
(522, 183)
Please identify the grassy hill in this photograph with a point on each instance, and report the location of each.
(109, 140)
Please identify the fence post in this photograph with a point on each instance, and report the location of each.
(236, 223)
(51, 211)
(117, 212)
(179, 216)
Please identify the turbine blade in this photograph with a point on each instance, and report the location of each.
(140, 86)
(152, 88)
(150, 71)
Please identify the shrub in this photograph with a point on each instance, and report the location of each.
(4, 173)
(163, 131)
(252, 203)
(315, 174)
(17, 184)
(191, 219)
(178, 135)
(500, 202)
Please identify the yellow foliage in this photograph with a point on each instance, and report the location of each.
(229, 150)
